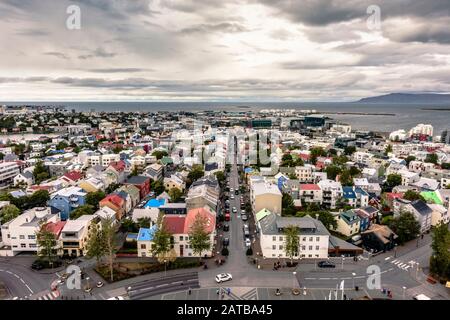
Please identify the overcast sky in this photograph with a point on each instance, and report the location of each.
(250, 50)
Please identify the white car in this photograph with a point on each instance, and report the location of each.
(248, 243)
(223, 277)
(117, 298)
(234, 210)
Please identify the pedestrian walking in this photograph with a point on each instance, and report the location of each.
(229, 291)
(189, 291)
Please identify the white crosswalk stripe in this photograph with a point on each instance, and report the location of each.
(403, 265)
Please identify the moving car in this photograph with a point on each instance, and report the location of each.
(226, 227)
(326, 264)
(99, 284)
(244, 217)
(227, 217)
(234, 210)
(223, 277)
(248, 243)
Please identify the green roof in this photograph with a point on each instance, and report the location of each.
(431, 196)
(262, 214)
(166, 160)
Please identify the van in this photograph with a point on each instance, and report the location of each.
(421, 297)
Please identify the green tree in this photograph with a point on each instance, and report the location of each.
(405, 226)
(445, 166)
(144, 222)
(431, 158)
(287, 161)
(354, 171)
(291, 242)
(332, 171)
(412, 195)
(326, 218)
(196, 173)
(157, 186)
(388, 149)
(287, 205)
(315, 153)
(409, 159)
(345, 178)
(93, 198)
(40, 172)
(37, 199)
(440, 258)
(220, 178)
(340, 160)
(109, 234)
(46, 242)
(199, 238)
(96, 243)
(349, 150)
(62, 145)
(175, 194)
(82, 211)
(8, 213)
(161, 240)
(128, 225)
(159, 154)
(393, 180)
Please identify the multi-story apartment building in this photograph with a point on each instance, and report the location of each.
(314, 238)
(265, 195)
(331, 191)
(8, 170)
(304, 174)
(75, 235)
(19, 234)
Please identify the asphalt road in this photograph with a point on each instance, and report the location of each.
(20, 279)
(151, 288)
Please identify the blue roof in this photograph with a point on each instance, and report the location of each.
(147, 234)
(361, 191)
(248, 170)
(155, 203)
(349, 193)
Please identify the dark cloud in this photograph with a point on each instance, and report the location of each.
(224, 27)
(97, 53)
(120, 70)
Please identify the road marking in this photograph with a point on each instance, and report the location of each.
(324, 278)
(310, 278)
(396, 263)
(29, 288)
(162, 285)
(346, 278)
(22, 281)
(387, 258)
(15, 275)
(177, 282)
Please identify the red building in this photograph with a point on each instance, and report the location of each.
(140, 182)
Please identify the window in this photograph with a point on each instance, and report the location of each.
(303, 247)
(21, 237)
(143, 246)
(31, 237)
(309, 255)
(304, 239)
(317, 239)
(310, 247)
(311, 239)
(181, 238)
(280, 238)
(23, 245)
(274, 247)
(280, 247)
(274, 238)
(317, 247)
(33, 245)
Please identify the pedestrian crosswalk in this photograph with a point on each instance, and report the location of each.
(49, 296)
(403, 265)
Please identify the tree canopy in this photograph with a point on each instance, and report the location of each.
(199, 238)
(8, 213)
(405, 226)
(291, 242)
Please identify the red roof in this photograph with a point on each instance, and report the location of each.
(73, 175)
(114, 199)
(309, 187)
(192, 214)
(304, 156)
(118, 165)
(175, 224)
(393, 195)
(55, 228)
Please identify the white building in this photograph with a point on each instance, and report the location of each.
(8, 170)
(313, 237)
(332, 192)
(265, 195)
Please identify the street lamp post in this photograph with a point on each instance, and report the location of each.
(353, 274)
(404, 292)
(165, 268)
(293, 286)
(343, 262)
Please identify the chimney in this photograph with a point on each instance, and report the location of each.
(317, 216)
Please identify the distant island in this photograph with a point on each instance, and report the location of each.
(430, 98)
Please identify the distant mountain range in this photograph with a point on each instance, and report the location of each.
(431, 98)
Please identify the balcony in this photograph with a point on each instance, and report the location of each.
(74, 205)
(73, 198)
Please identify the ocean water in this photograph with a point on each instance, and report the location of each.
(405, 115)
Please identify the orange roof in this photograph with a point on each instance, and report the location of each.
(114, 199)
(192, 214)
(55, 228)
(175, 224)
(309, 187)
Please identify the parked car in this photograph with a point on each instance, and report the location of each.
(248, 243)
(326, 264)
(226, 242)
(223, 277)
(226, 227)
(99, 284)
(116, 298)
(244, 217)
(234, 210)
(227, 217)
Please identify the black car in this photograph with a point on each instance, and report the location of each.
(236, 192)
(37, 265)
(225, 242)
(226, 227)
(244, 217)
(326, 264)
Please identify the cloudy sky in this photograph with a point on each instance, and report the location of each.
(248, 50)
